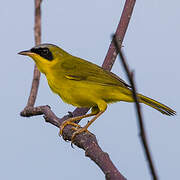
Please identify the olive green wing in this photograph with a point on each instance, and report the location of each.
(80, 70)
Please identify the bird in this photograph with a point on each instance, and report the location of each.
(84, 84)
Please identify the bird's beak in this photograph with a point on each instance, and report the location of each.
(26, 53)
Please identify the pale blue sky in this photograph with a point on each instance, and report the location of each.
(31, 148)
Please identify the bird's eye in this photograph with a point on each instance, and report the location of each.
(45, 51)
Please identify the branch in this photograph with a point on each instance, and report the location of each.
(130, 76)
(120, 33)
(36, 75)
(85, 141)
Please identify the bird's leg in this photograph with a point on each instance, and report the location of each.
(84, 129)
(71, 121)
(99, 109)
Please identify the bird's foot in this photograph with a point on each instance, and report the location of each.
(78, 131)
(65, 123)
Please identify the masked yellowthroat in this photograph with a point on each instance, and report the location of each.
(84, 84)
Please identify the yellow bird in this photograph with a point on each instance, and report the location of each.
(84, 84)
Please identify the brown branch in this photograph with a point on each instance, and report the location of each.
(85, 141)
(120, 33)
(36, 75)
(138, 108)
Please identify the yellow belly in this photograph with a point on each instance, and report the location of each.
(73, 93)
(86, 94)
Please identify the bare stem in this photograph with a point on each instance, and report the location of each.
(120, 34)
(138, 108)
(37, 35)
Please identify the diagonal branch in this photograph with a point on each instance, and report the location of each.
(120, 34)
(138, 108)
(85, 141)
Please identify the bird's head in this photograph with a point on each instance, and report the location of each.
(45, 55)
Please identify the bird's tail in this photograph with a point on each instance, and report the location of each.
(156, 105)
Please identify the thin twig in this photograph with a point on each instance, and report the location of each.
(36, 75)
(120, 34)
(138, 108)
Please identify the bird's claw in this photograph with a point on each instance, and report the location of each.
(65, 123)
(77, 131)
